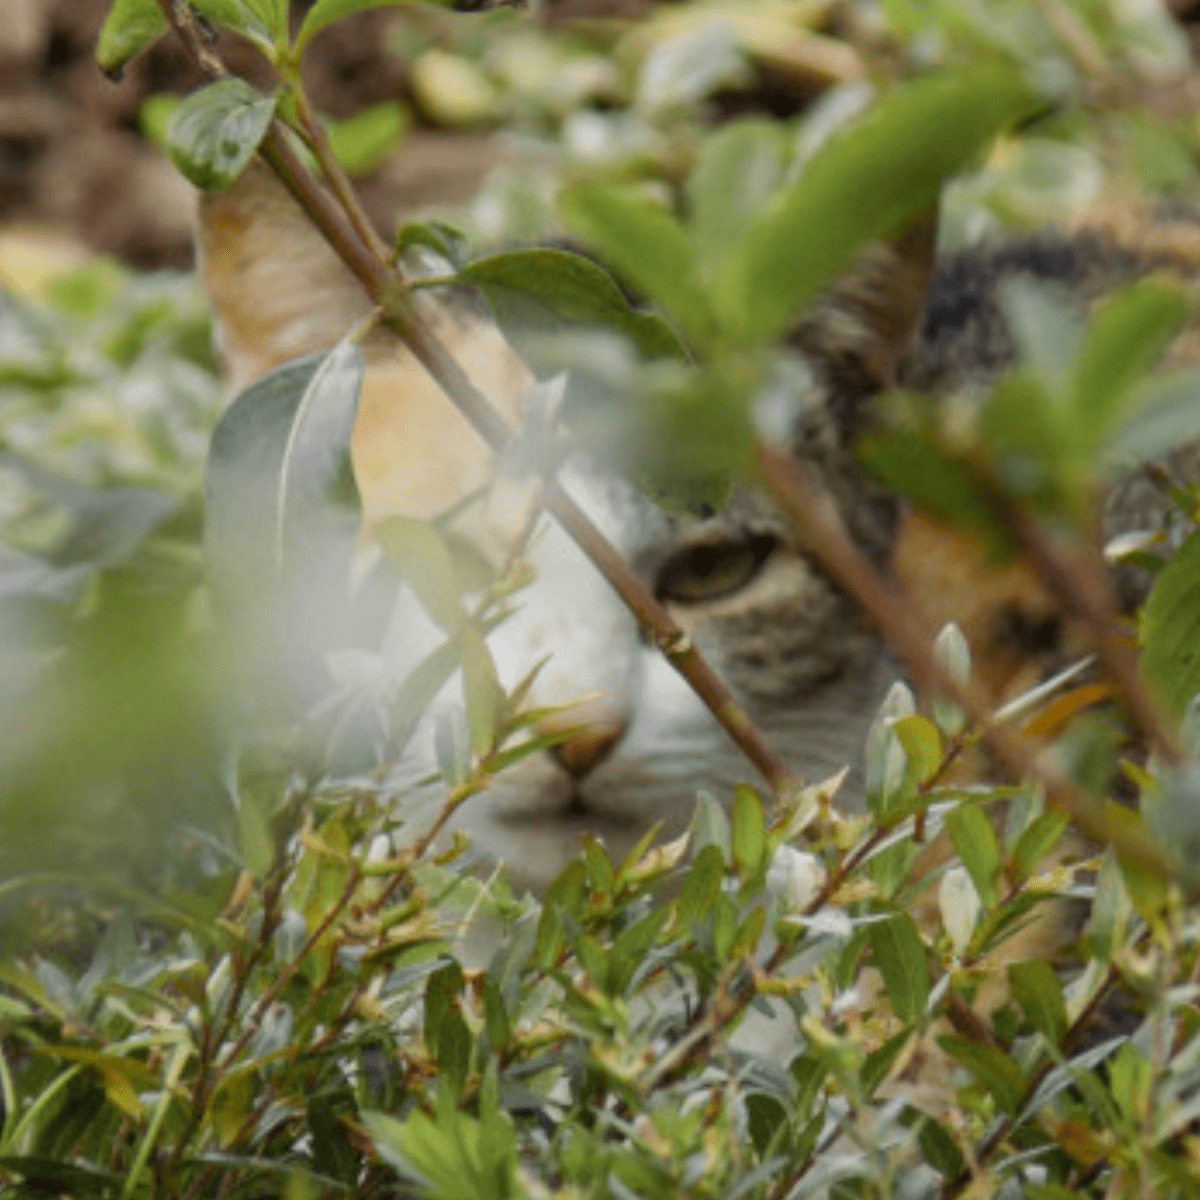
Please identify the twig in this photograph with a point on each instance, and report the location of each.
(387, 289)
(1082, 586)
(811, 514)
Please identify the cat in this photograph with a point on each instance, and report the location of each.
(805, 663)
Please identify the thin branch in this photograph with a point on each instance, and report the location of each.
(387, 288)
(1081, 583)
(814, 519)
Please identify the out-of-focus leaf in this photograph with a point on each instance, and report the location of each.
(131, 26)
(253, 19)
(51, 1177)
(1054, 717)
(279, 474)
(683, 439)
(998, 1073)
(1127, 335)
(258, 847)
(454, 89)
(645, 243)
(443, 239)
(879, 1062)
(424, 559)
(1039, 993)
(361, 142)
(482, 693)
(922, 744)
(1038, 840)
(975, 840)
(537, 293)
(1046, 330)
(214, 132)
(1170, 630)
(748, 830)
(939, 1147)
(916, 466)
(899, 954)
(1166, 416)
(689, 65)
(325, 12)
(111, 524)
(740, 167)
(864, 184)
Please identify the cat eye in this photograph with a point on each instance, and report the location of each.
(713, 569)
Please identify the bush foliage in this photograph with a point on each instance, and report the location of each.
(232, 968)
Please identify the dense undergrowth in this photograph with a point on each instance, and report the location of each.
(231, 965)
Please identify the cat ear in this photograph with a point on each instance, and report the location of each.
(278, 291)
(859, 333)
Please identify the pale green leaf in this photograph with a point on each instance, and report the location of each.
(214, 132)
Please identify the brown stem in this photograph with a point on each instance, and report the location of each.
(386, 288)
(336, 177)
(814, 519)
(1081, 584)
(285, 976)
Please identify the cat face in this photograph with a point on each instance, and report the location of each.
(808, 672)
(788, 643)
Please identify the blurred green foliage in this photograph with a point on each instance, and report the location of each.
(228, 969)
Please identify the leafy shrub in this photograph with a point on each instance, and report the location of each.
(278, 994)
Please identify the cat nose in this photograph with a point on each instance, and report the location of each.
(583, 751)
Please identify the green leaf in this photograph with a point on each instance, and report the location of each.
(274, 16)
(740, 167)
(749, 831)
(280, 486)
(939, 1147)
(711, 826)
(998, 1073)
(900, 956)
(421, 553)
(1039, 993)
(1038, 840)
(438, 236)
(361, 142)
(645, 243)
(213, 133)
(975, 841)
(630, 948)
(446, 1032)
(1127, 336)
(1170, 629)
(916, 466)
(482, 693)
(701, 885)
(1025, 428)
(765, 1115)
(418, 690)
(922, 742)
(683, 438)
(243, 17)
(131, 26)
(254, 835)
(325, 12)
(1166, 416)
(538, 293)
(879, 1062)
(864, 184)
